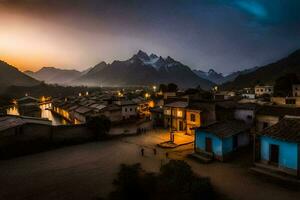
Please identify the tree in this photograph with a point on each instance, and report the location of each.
(172, 87)
(100, 125)
(163, 88)
(283, 85)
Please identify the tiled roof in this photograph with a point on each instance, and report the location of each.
(278, 111)
(286, 129)
(225, 129)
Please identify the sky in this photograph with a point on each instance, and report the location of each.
(226, 35)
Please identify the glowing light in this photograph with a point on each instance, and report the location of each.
(147, 95)
(179, 113)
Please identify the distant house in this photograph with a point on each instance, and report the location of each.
(287, 101)
(296, 90)
(129, 108)
(263, 90)
(267, 116)
(277, 148)
(219, 140)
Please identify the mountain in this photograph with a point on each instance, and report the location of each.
(10, 75)
(267, 74)
(219, 78)
(211, 75)
(54, 75)
(142, 69)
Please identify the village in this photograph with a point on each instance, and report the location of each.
(248, 126)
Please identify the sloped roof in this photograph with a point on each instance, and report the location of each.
(287, 129)
(225, 129)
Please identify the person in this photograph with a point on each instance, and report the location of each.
(142, 151)
(154, 151)
(167, 155)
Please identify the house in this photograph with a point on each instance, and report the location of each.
(267, 115)
(82, 113)
(287, 101)
(296, 90)
(220, 139)
(29, 106)
(129, 108)
(224, 95)
(277, 148)
(175, 115)
(263, 90)
(157, 116)
(245, 112)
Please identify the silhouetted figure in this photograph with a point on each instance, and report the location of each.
(167, 155)
(142, 151)
(154, 151)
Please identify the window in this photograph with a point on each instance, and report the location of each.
(290, 101)
(193, 117)
(179, 113)
(125, 109)
(130, 109)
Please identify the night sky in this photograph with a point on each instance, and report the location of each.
(226, 35)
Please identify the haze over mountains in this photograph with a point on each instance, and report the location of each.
(54, 75)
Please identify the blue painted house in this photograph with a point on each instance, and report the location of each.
(220, 139)
(278, 147)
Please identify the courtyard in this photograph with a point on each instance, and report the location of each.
(86, 171)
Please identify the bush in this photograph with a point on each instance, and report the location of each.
(175, 180)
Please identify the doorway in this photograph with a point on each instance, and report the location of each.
(208, 144)
(274, 154)
(180, 125)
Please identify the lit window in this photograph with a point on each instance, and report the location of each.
(179, 113)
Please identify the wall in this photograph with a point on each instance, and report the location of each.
(288, 152)
(127, 113)
(243, 114)
(260, 119)
(192, 124)
(216, 142)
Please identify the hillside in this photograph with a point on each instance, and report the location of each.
(267, 74)
(10, 75)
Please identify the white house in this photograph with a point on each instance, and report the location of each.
(263, 89)
(129, 108)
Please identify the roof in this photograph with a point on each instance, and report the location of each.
(10, 122)
(278, 111)
(225, 129)
(7, 122)
(287, 129)
(83, 110)
(178, 104)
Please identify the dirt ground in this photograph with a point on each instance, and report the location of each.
(87, 171)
